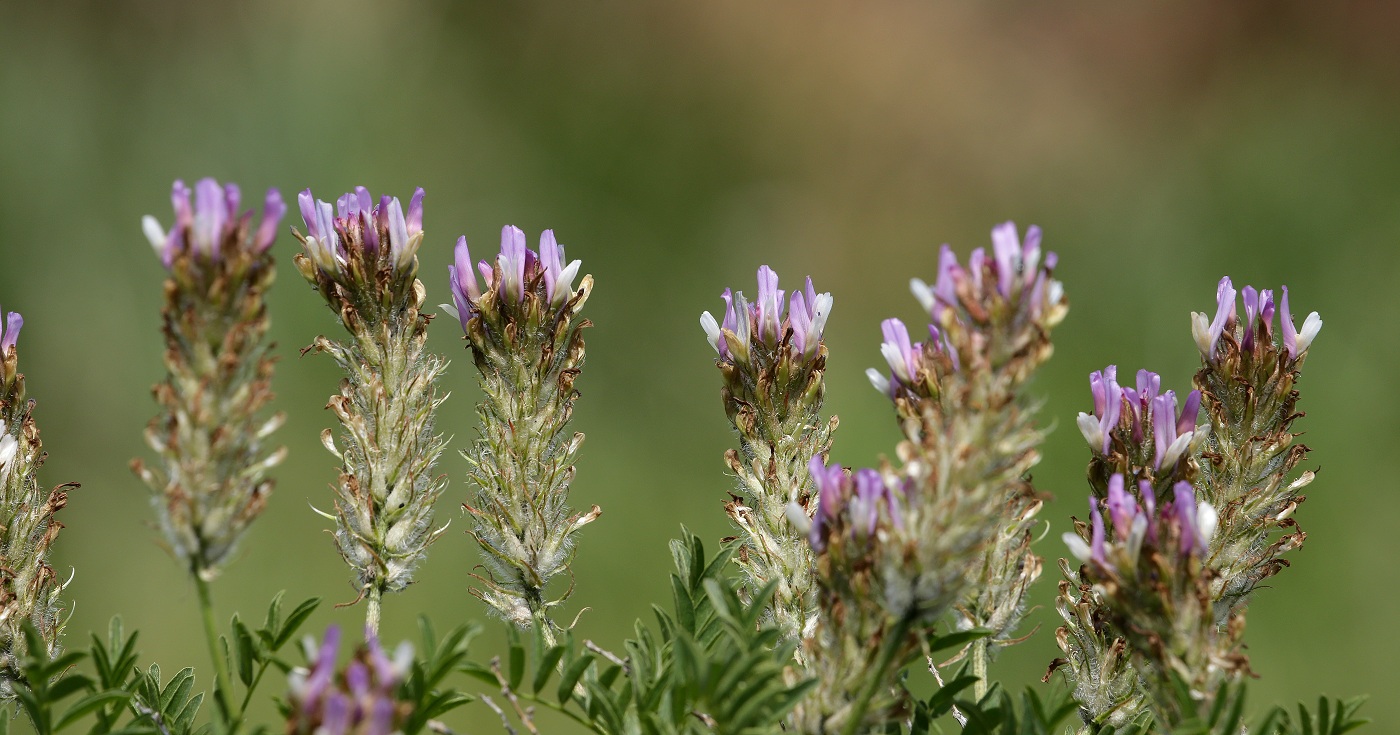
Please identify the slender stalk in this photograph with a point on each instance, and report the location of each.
(888, 648)
(211, 637)
(372, 611)
(979, 666)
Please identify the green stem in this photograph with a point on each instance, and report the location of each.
(894, 640)
(248, 697)
(372, 610)
(211, 636)
(980, 650)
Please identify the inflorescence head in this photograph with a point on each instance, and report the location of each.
(777, 329)
(361, 249)
(1142, 431)
(1178, 531)
(357, 700)
(212, 226)
(994, 314)
(524, 289)
(1227, 338)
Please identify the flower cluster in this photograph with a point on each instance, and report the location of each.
(358, 700)
(1141, 431)
(526, 339)
(772, 358)
(213, 226)
(799, 330)
(362, 258)
(212, 481)
(29, 587)
(1247, 382)
(1168, 587)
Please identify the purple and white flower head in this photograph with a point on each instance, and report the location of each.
(212, 222)
(359, 700)
(517, 272)
(1256, 332)
(1018, 274)
(768, 320)
(348, 240)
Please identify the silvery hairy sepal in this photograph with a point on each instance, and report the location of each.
(526, 338)
(212, 479)
(29, 587)
(772, 359)
(957, 397)
(362, 258)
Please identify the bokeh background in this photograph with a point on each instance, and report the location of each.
(675, 147)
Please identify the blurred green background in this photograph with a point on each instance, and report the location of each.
(674, 147)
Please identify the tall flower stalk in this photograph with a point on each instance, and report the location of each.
(773, 360)
(29, 587)
(212, 479)
(1158, 604)
(898, 548)
(526, 339)
(959, 401)
(362, 258)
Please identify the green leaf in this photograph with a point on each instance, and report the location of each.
(515, 673)
(294, 621)
(685, 609)
(187, 713)
(571, 676)
(246, 650)
(546, 668)
(67, 687)
(89, 704)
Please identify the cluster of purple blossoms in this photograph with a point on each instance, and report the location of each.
(212, 222)
(1183, 524)
(1015, 274)
(516, 272)
(852, 503)
(359, 701)
(1138, 413)
(358, 229)
(764, 320)
(993, 300)
(1258, 324)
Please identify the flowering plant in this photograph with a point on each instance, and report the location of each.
(839, 588)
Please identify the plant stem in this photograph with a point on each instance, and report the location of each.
(980, 650)
(893, 640)
(211, 636)
(372, 610)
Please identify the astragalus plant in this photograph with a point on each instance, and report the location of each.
(866, 600)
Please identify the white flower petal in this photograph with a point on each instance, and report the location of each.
(1077, 548)
(878, 380)
(154, 233)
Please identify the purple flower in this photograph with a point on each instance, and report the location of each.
(865, 505)
(1097, 550)
(903, 357)
(361, 700)
(414, 220)
(770, 307)
(274, 209)
(355, 223)
(1149, 502)
(462, 284)
(558, 278)
(807, 315)
(1121, 506)
(512, 263)
(13, 323)
(830, 483)
(1251, 309)
(1208, 336)
(1108, 403)
(1006, 248)
(1295, 343)
(1187, 419)
(1197, 522)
